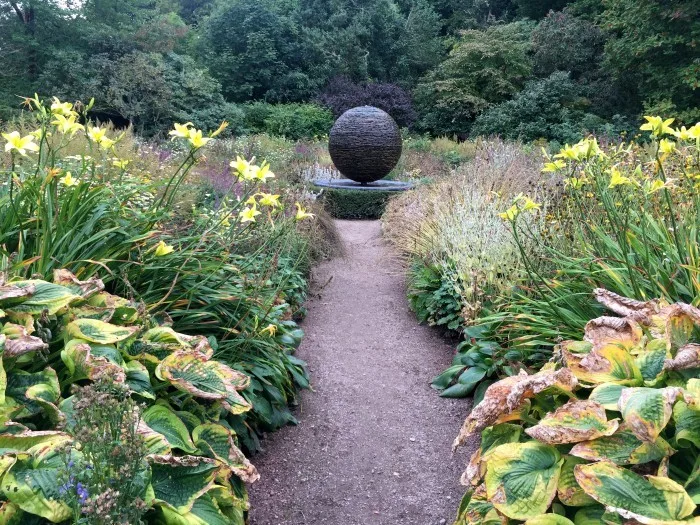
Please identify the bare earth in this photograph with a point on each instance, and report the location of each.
(373, 443)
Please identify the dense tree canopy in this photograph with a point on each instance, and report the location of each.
(148, 62)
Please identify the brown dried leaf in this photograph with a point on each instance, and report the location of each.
(573, 422)
(85, 289)
(507, 395)
(19, 341)
(604, 330)
(640, 311)
(687, 357)
(8, 291)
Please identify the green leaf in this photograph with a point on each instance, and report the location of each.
(32, 442)
(609, 364)
(568, 491)
(193, 372)
(622, 448)
(23, 387)
(216, 441)
(95, 331)
(522, 478)
(573, 422)
(549, 519)
(647, 411)
(178, 482)
(651, 361)
(443, 380)
(80, 361)
(205, 511)
(687, 421)
(650, 500)
(165, 422)
(139, 380)
(475, 509)
(589, 516)
(607, 394)
(46, 296)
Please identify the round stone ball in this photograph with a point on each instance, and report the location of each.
(365, 144)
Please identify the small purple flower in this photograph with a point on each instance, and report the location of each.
(82, 493)
(70, 464)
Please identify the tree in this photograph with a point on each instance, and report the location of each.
(654, 51)
(484, 68)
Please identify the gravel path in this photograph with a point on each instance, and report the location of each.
(373, 443)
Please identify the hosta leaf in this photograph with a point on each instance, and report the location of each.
(568, 490)
(646, 411)
(18, 341)
(82, 364)
(11, 514)
(475, 509)
(549, 519)
(205, 511)
(216, 441)
(165, 422)
(95, 331)
(84, 289)
(179, 481)
(622, 448)
(608, 364)
(33, 485)
(22, 387)
(193, 372)
(139, 380)
(46, 296)
(32, 442)
(155, 442)
(10, 293)
(124, 311)
(589, 516)
(687, 422)
(688, 357)
(574, 422)
(608, 395)
(522, 478)
(509, 394)
(166, 335)
(651, 362)
(605, 331)
(651, 500)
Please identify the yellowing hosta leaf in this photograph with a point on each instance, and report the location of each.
(10, 514)
(491, 438)
(652, 360)
(95, 331)
(84, 289)
(10, 293)
(618, 331)
(647, 411)
(165, 422)
(607, 394)
(204, 511)
(46, 296)
(609, 364)
(33, 485)
(476, 509)
(507, 395)
(23, 387)
(687, 357)
(18, 341)
(589, 516)
(568, 490)
(166, 335)
(32, 442)
(651, 500)
(139, 380)
(156, 444)
(522, 478)
(573, 422)
(124, 311)
(622, 448)
(549, 519)
(216, 441)
(193, 372)
(178, 481)
(687, 422)
(82, 364)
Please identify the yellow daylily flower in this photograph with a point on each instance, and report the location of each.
(552, 167)
(243, 168)
(654, 186)
(97, 134)
(267, 199)
(694, 131)
(20, 144)
(530, 205)
(38, 134)
(248, 214)
(682, 133)
(251, 201)
(511, 213)
(666, 146)
(618, 179)
(567, 152)
(196, 139)
(67, 180)
(270, 329)
(263, 172)
(107, 143)
(658, 126)
(121, 164)
(67, 125)
(220, 129)
(163, 249)
(61, 108)
(576, 183)
(181, 131)
(302, 213)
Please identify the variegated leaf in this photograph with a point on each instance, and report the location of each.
(45, 297)
(568, 490)
(573, 422)
(607, 394)
(179, 481)
(216, 441)
(84, 289)
(609, 364)
(94, 331)
(647, 411)
(161, 419)
(622, 448)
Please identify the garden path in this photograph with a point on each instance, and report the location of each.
(373, 443)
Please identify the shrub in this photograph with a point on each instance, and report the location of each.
(292, 121)
(343, 94)
(607, 431)
(355, 204)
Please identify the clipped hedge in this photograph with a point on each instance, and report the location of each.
(356, 204)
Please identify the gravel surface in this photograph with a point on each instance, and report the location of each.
(374, 441)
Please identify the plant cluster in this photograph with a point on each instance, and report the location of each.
(607, 432)
(62, 333)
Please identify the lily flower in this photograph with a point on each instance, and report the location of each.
(181, 131)
(67, 180)
(248, 214)
(20, 144)
(163, 249)
(67, 125)
(618, 179)
(121, 164)
(267, 199)
(196, 139)
(658, 126)
(302, 213)
(61, 108)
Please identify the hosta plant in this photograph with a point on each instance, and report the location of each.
(607, 432)
(54, 335)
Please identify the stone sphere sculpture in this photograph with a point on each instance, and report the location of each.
(365, 144)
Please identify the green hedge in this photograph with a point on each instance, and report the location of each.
(356, 204)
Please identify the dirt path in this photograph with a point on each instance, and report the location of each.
(373, 444)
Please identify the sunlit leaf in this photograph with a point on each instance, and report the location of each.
(165, 422)
(609, 364)
(647, 411)
(95, 331)
(573, 422)
(622, 448)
